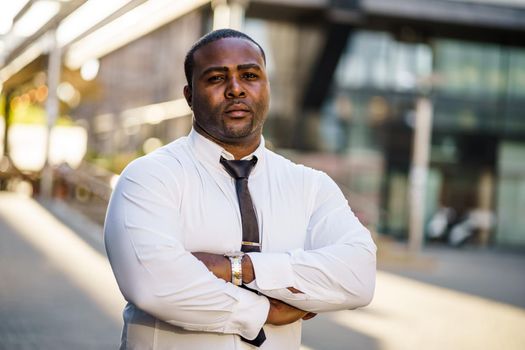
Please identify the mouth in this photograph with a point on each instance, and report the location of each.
(237, 110)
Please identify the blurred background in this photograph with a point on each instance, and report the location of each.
(415, 107)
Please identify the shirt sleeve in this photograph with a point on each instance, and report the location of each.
(337, 267)
(156, 273)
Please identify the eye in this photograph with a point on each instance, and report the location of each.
(250, 76)
(216, 78)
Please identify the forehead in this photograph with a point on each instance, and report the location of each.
(228, 52)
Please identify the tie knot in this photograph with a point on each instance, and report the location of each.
(239, 169)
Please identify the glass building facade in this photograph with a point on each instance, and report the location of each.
(360, 129)
(477, 152)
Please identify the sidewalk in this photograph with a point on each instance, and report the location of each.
(57, 292)
(443, 298)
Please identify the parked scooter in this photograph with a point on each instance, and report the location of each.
(446, 226)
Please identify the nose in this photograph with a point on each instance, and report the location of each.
(234, 88)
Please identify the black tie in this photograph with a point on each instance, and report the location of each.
(240, 170)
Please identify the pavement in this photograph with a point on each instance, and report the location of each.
(443, 299)
(57, 292)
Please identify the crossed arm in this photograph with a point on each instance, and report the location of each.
(279, 313)
(156, 272)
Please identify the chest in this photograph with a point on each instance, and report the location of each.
(211, 220)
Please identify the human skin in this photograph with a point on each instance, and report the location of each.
(280, 313)
(230, 96)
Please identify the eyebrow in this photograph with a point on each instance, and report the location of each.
(248, 66)
(225, 69)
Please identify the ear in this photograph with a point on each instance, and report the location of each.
(187, 95)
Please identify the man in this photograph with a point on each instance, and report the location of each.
(176, 212)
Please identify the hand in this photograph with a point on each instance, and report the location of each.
(281, 313)
(309, 316)
(218, 264)
(248, 273)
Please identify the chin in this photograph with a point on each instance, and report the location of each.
(237, 136)
(239, 133)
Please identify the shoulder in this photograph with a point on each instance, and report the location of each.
(305, 175)
(315, 188)
(165, 164)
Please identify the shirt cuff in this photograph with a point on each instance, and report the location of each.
(272, 270)
(248, 315)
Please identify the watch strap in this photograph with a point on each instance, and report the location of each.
(236, 270)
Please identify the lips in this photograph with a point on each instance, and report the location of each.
(237, 110)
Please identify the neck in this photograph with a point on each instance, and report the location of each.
(239, 149)
(239, 152)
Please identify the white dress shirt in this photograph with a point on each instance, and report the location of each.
(179, 199)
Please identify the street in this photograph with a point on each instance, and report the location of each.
(58, 292)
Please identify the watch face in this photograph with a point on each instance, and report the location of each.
(234, 254)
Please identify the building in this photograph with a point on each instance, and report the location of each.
(347, 78)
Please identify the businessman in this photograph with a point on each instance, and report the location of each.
(217, 242)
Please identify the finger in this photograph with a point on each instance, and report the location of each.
(309, 316)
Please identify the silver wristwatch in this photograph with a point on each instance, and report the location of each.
(236, 263)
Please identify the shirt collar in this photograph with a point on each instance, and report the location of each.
(209, 153)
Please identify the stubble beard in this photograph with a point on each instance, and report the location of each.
(224, 129)
(234, 132)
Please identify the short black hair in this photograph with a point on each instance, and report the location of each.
(215, 35)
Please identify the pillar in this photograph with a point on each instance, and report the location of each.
(228, 13)
(419, 173)
(52, 108)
